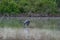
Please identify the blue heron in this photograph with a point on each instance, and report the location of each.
(26, 23)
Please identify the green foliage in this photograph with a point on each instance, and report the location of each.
(58, 3)
(8, 6)
(25, 6)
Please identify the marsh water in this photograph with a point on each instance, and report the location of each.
(12, 28)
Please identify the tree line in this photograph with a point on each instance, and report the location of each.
(11, 7)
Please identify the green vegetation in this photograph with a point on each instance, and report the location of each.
(6, 22)
(38, 23)
(12, 7)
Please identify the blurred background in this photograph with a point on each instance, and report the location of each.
(43, 8)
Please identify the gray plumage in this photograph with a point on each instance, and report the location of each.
(26, 22)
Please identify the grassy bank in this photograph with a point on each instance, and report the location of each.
(17, 22)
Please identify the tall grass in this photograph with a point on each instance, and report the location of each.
(46, 23)
(7, 22)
